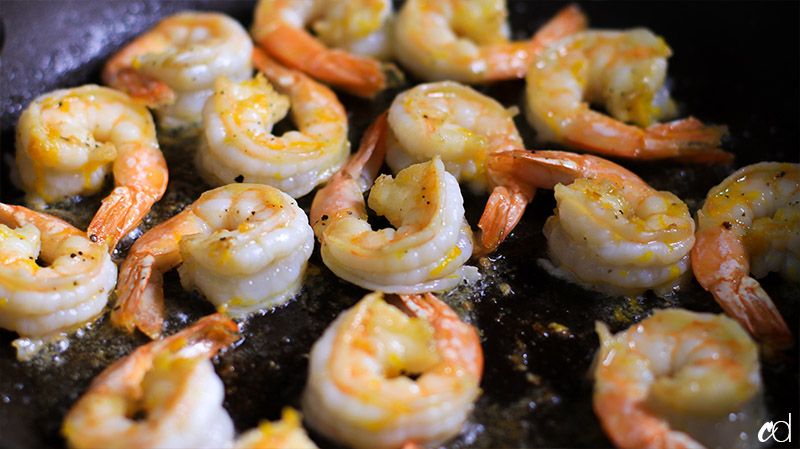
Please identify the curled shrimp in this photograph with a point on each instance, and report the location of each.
(750, 222)
(462, 127)
(68, 290)
(468, 40)
(69, 139)
(240, 147)
(430, 240)
(358, 28)
(624, 71)
(611, 232)
(244, 246)
(679, 379)
(171, 382)
(287, 433)
(358, 392)
(172, 67)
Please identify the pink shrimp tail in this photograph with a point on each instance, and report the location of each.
(503, 210)
(340, 195)
(688, 140)
(140, 301)
(300, 50)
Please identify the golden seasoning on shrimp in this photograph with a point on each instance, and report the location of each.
(244, 246)
(429, 242)
(360, 391)
(468, 40)
(350, 38)
(750, 223)
(69, 290)
(611, 232)
(462, 127)
(679, 379)
(624, 71)
(172, 67)
(67, 142)
(164, 394)
(287, 433)
(238, 144)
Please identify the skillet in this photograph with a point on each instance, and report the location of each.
(734, 63)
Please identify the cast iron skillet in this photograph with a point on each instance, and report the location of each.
(733, 63)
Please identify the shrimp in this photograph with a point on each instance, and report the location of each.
(287, 433)
(751, 222)
(69, 139)
(172, 67)
(679, 379)
(358, 390)
(624, 71)
(244, 246)
(164, 394)
(611, 232)
(239, 145)
(468, 40)
(357, 27)
(462, 126)
(70, 288)
(430, 242)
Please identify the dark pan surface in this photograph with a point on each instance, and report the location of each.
(734, 63)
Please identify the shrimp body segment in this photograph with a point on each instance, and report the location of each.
(171, 382)
(172, 67)
(611, 232)
(239, 145)
(462, 127)
(350, 34)
(624, 71)
(468, 40)
(244, 246)
(429, 242)
(288, 433)
(358, 392)
(71, 289)
(751, 223)
(679, 379)
(67, 142)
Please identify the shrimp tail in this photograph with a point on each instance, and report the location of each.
(361, 168)
(298, 49)
(119, 213)
(688, 140)
(141, 87)
(503, 210)
(568, 20)
(754, 309)
(140, 298)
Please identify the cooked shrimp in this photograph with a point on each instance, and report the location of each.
(462, 126)
(287, 433)
(679, 379)
(358, 392)
(244, 246)
(357, 28)
(238, 143)
(468, 40)
(172, 67)
(171, 382)
(611, 232)
(70, 289)
(430, 242)
(69, 139)
(624, 71)
(751, 223)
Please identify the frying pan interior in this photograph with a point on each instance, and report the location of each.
(734, 63)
